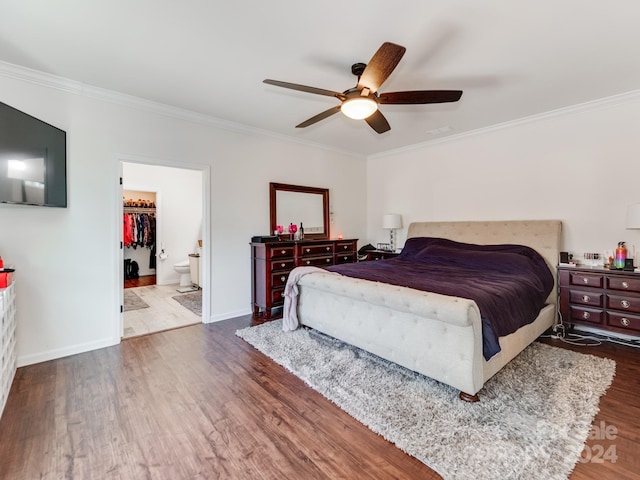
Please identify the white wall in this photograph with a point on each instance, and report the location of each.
(581, 166)
(67, 259)
(179, 213)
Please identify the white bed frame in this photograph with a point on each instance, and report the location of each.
(436, 335)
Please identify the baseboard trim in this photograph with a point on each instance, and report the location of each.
(24, 360)
(226, 316)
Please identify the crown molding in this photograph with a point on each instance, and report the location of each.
(48, 80)
(78, 88)
(580, 108)
(39, 78)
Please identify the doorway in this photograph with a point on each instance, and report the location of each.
(153, 301)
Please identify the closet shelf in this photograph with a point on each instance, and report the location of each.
(139, 209)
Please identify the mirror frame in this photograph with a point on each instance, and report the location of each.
(273, 207)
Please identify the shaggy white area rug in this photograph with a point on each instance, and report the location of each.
(531, 422)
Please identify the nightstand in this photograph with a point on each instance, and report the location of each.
(600, 298)
(380, 254)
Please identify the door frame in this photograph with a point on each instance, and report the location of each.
(118, 322)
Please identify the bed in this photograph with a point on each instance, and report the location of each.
(435, 334)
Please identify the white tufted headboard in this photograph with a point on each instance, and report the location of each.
(544, 236)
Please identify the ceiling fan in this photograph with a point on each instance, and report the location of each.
(361, 102)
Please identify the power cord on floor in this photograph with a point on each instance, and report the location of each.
(593, 340)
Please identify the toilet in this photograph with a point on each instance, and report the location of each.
(184, 269)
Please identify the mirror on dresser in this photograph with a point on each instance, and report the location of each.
(298, 204)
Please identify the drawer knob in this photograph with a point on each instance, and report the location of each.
(328, 248)
(308, 262)
(625, 322)
(586, 315)
(345, 247)
(283, 252)
(328, 260)
(308, 250)
(625, 284)
(585, 280)
(282, 265)
(625, 303)
(283, 278)
(586, 298)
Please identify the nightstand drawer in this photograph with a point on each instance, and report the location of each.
(622, 283)
(585, 297)
(619, 320)
(587, 280)
(624, 303)
(587, 315)
(380, 254)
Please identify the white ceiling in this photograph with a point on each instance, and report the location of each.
(512, 59)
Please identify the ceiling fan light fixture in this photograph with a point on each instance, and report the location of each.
(359, 107)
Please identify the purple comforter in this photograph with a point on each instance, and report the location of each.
(509, 283)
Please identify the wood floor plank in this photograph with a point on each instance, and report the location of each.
(199, 402)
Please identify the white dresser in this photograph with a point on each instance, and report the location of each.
(7, 342)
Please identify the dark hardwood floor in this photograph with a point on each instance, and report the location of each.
(199, 402)
(140, 281)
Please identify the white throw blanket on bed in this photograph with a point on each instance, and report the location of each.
(290, 309)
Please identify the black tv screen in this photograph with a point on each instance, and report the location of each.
(33, 160)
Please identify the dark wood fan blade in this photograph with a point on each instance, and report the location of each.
(420, 96)
(378, 122)
(320, 116)
(383, 62)
(304, 88)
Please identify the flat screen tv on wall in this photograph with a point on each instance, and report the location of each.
(33, 160)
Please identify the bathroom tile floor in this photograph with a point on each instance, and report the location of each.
(164, 313)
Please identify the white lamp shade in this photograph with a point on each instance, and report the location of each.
(633, 216)
(392, 221)
(359, 107)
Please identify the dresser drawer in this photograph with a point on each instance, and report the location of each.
(583, 314)
(626, 303)
(282, 264)
(347, 257)
(587, 279)
(279, 279)
(323, 261)
(623, 283)
(620, 320)
(279, 252)
(585, 297)
(345, 247)
(306, 250)
(277, 296)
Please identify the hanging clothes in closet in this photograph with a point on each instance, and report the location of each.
(139, 230)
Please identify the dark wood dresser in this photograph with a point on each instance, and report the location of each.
(271, 263)
(600, 298)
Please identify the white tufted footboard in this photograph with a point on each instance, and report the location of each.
(436, 335)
